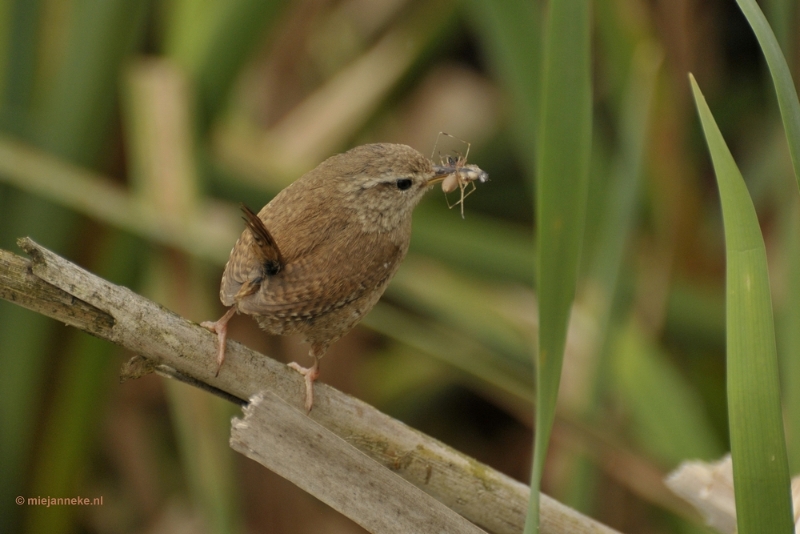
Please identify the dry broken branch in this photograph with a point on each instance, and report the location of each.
(50, 285)
(287, 442)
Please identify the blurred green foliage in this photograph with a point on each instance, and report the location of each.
(163, 115)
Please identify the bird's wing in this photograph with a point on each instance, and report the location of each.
(327, 275)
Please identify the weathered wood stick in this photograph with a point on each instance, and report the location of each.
(59, 289)
(284, 440)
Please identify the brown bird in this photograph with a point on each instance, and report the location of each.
(320, 254)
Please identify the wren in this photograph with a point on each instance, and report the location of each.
(318, 256)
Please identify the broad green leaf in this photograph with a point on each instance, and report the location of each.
(562, 182)
(781, 77)
(788, 334)
(758, 447)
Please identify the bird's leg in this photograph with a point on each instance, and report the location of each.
(220, 326)
(310, 373)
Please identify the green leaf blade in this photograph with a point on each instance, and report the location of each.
(781, 77)
(758, 447)
(564, 143)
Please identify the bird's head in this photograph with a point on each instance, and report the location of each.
(381, 183)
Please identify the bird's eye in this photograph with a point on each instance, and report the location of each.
(404, 183)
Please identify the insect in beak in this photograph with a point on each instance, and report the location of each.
(455, 173)
(467, 173)
(440, 172)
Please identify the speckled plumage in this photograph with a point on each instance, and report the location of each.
(341, 231)
(341, 239)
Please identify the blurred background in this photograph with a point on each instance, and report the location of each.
(131, 129)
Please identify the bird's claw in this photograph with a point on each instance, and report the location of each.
(220, 327)
(310, 374)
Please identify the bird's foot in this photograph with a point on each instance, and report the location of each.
(310, 374)
(220, 327)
